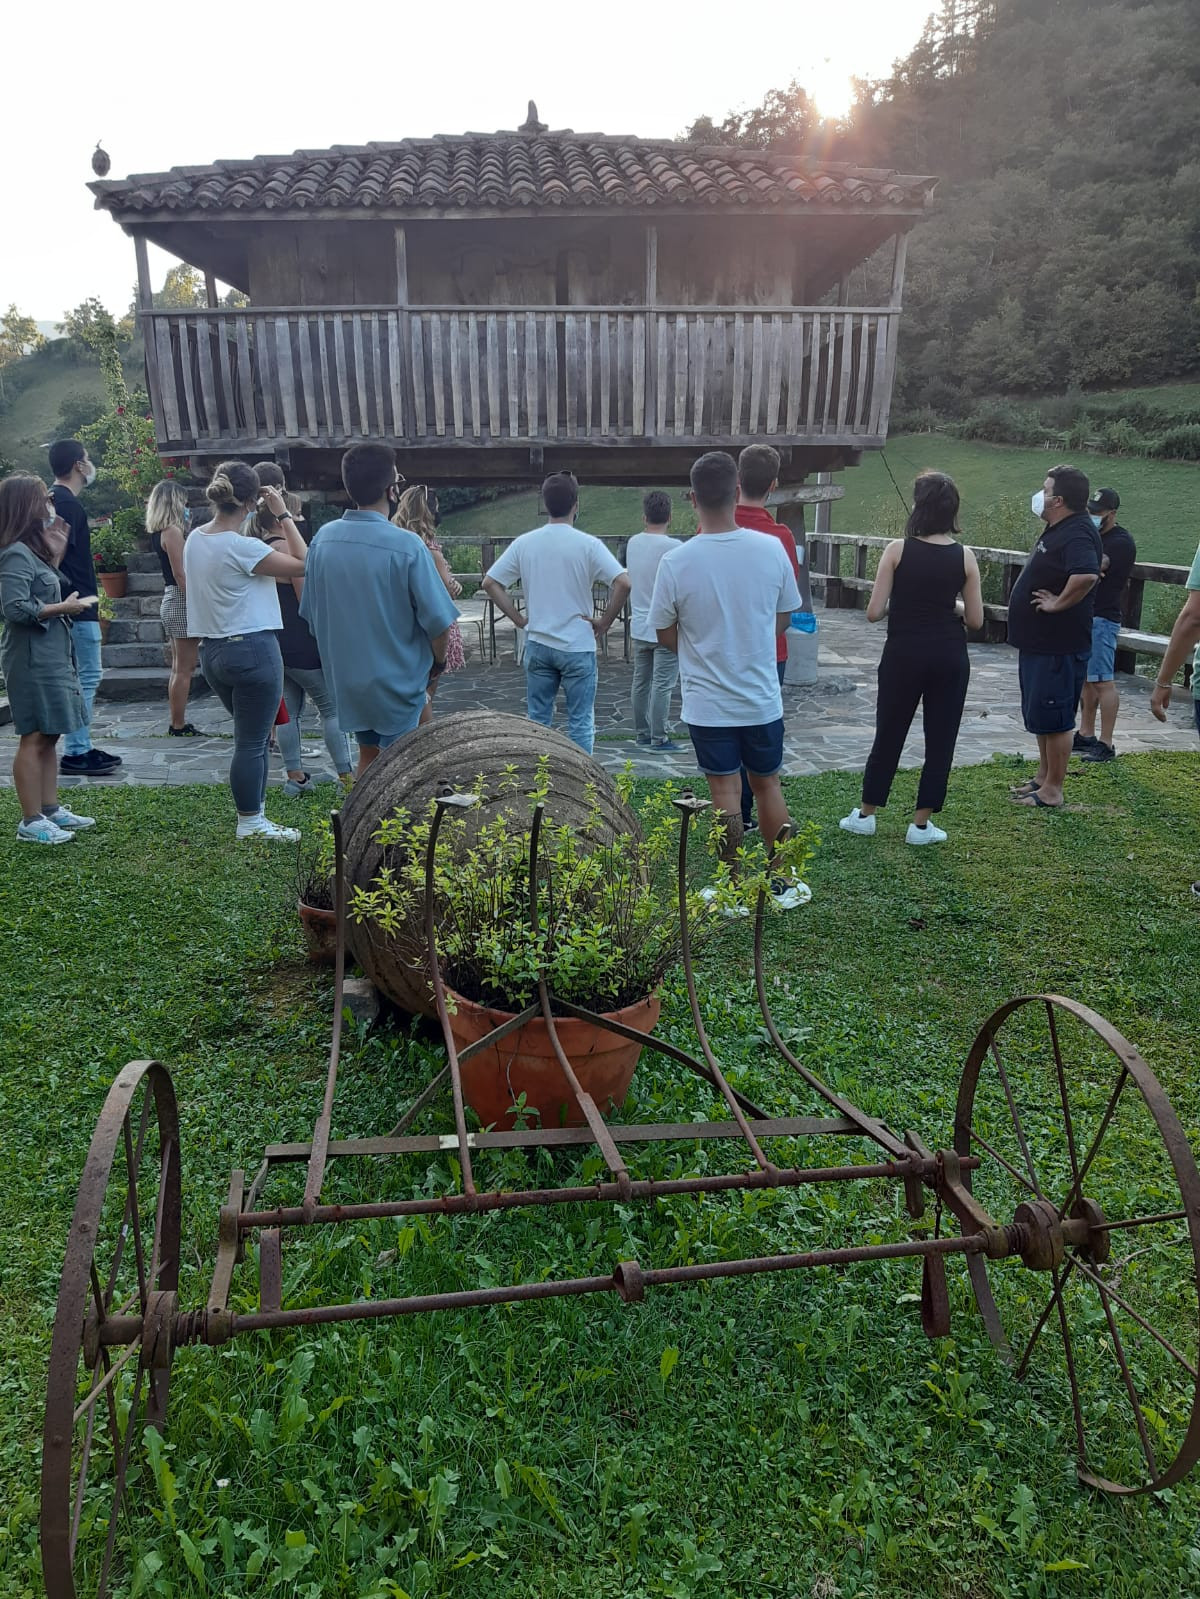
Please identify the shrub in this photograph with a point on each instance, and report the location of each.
(1001, 422)
(1177, 444)
(1121, 437)
(1061, 410)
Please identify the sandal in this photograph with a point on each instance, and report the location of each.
(1029, 786)
(1034, 800)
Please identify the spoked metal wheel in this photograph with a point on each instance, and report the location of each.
(1071, 1127)
(110, 1356)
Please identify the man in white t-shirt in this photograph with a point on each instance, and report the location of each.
(720, 600)
(655, 668)
(557, 566)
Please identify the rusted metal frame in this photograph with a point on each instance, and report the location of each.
(270, 1268)
(431, 1091)
(627, 1275)
(442, 801)
(688, 806)
(229, 1243)
(867, 1125)
(567, 1137)
(966, 1209)
(320, 1139)
(425, 1098)
(640, 1188)
(591, 1114)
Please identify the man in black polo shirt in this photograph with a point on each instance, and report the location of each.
(1118, 554)
(1050, 622)
(72, 473)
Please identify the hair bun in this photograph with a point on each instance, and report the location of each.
(220, 490)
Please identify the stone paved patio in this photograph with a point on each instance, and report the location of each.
(829, 727)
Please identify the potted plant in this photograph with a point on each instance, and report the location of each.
(607, 932)
(314, 895)
(105, 613)
(112, 543)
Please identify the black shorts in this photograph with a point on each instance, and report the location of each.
(1050, 690)
(723, 751)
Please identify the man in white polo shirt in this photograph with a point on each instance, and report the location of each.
(557, 566)
(721, 600)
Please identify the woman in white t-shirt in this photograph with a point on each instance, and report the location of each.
(233, 609)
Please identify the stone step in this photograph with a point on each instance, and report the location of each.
(136, 606)
(145, 582)
(112, 655)
(142, 683)
(134, 630)
(143, 561)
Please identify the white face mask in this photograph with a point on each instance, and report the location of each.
(89, 474)
(1096, 521)
(1038, 503)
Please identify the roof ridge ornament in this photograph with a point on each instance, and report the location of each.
(531, 123)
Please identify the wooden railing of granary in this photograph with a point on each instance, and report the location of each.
(846, 590)
(479, 375)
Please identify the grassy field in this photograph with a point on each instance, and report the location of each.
(1158, 498)
(790, 1435)
(29, 425)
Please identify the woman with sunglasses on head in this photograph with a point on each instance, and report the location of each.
(418, 511)
(37, 656)
(167, 522)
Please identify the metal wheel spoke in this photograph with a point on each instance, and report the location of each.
(1116, 1298)
(1127, 1378)
(84, 1460)
(1016, 1119)
(164, 1162)
(1076, 1406)
(133, 1165)
(979, 1139)
(119, 1481)
(122, 1231)
(102, 1386)
(1077, 1185)
(1144, 1221)
(1019, 1368)
(1062, 1093)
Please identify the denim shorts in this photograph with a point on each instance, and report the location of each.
(723, 751)
(1104, 650)
(1050, 690)
(368, 735)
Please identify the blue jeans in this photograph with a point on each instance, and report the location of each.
(86, 638)
(655, 673)
(301, 683)
(545, 669)
(246, 674)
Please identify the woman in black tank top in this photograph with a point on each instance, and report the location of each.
(924, 661)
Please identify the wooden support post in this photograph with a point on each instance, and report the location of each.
(653, 422)
(408, 377)
(791, 513)
(859, 597)
(149, 333)
(1131, 617)
(835, 594)
(888, 376)
(210, 291)
(823, 522)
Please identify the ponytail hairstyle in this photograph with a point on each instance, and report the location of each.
(165, 507)
(935, 506)
(417, 511)
(234, 485)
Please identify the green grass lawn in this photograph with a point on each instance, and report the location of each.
(787, 1435)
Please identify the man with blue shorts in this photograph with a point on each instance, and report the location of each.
(1118, 554)
(376, 606)
(1050, 622)
(720, 601)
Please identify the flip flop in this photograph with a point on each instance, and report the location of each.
(1029, 786)
(1030, 801)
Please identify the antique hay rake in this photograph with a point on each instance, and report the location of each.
(1065, 1153)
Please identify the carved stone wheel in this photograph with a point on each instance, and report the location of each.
(456, 750)
(110, 1355)
(1069, 1122)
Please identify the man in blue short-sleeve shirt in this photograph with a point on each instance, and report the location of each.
(376, 607)
(1050, 622)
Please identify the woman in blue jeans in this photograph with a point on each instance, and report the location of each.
(233, 609)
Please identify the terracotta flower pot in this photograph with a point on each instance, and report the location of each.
(105, 624)
(525, 1063)
(113, 584)
(320, 932)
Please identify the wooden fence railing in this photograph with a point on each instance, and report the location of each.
(844, 590)
(437, 375)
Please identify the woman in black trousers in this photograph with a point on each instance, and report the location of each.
(920, 580)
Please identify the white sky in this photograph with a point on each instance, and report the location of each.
(166, 86)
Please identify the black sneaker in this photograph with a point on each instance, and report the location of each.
(103, 758)
(1101, 752)
(1083, 741)
(186, 731)
(94, 764)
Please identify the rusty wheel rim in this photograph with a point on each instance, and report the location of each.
(121, 1268)
(1062, 1109)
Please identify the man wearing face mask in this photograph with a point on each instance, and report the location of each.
(73, 472)
(1118, 555)
(1050, 623)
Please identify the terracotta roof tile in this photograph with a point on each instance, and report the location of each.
(514, 170)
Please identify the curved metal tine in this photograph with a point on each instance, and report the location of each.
(315, 1176)
(1133, 1314)
(1060, 1284)
(443, 800)
(122, 1232)
(1077, 1185)
(872, 1129)
(595, 1122)
(1131, 1391)
(1062, 1092)
(1018, 1125)
(688, 805)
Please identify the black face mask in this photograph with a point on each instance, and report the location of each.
(395, 490)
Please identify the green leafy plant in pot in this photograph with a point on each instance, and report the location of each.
(112, 544)
(315, 867)
(607, 932)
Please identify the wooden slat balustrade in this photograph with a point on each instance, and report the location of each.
(486, 375)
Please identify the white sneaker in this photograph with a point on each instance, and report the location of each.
(70, 822)
(260, 827)
(856, 822)
(929, 834)
(43, 831)
(787, 895)
(730, 912)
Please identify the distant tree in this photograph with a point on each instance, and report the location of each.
(78, 410)
(87, 326)
(183, 288)
(786, 116)
(18, 336)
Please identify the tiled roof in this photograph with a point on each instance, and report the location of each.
(515, 171)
